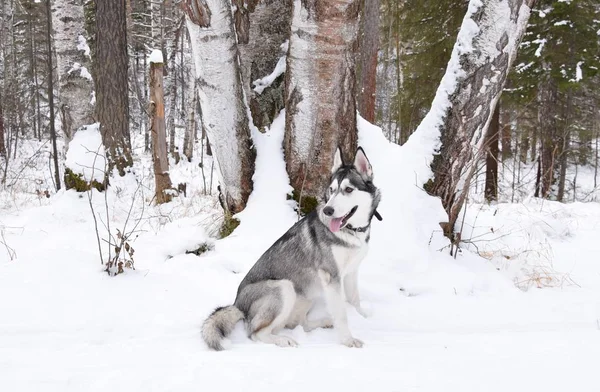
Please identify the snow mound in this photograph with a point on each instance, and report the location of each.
(86, 153)
(156, 57)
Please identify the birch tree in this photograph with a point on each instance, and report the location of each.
(224, 114)
(320, 92)
(73, 58)
(464, 104)
(159, 130)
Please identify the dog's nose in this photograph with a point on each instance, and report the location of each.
(328, 211)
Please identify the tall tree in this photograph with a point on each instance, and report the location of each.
(262, 51)
(224, 113)
(369, 49)
(462, 110)
(159, 130)
(320, 91)
(112, 93)
(73, 60)
(51, 96)
(491, 157)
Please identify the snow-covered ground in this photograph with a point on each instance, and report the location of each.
(436, 324)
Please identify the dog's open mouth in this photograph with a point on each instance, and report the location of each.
(337, 223)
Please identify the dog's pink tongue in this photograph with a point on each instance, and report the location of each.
(335, 224)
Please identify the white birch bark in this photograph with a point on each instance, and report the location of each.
(452, 134)
(73, 61)
(220, 93)
(320, 90)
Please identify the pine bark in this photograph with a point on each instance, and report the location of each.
(111, 82)
(491, 160)
(51, 97)
(159, 134)
(549, 137)
(479, 85)
(2, 133)
(224, 114)
(75, 85)
(369, 49)
(320, 91)
(268, 29)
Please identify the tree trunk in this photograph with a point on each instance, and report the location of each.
(112, 99)
(2, 133)
(224, 113)
(369, 48)
(189, 139)
(159, 133)
(51, 96)
(549, 135)
(486, 47)
(491, 160)
(261, 51)
(320, 92)
(73, 60)
(506, 133)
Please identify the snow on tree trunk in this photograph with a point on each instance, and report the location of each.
(224, 113)
(320, 91)
(452, 134)
(159, 130)
(73, 59)
(263, 56)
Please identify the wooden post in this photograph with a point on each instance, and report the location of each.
(159, 131)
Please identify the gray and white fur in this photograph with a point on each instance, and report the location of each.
(316, 259)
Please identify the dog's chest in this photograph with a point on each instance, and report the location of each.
(348, 258)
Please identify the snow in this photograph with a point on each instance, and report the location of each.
(436, 324)
(542, 42)
(83, 46)
(86, 153)
(578, 72)
(261, 84)
(83, 72)
(156, 57)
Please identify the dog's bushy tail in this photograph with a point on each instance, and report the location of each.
(219, 325)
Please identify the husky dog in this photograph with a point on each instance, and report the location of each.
(316, 259)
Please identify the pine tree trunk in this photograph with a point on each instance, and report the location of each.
(112, 99)
(491, 160)
(549, 135)
(224, 113)
(320, 92)
(506, 133)
(51, 97)
(260, 50)
(479, 74)
(73, 60)
(369, 48)
(159, 134)
(2, 133)
(190, 129)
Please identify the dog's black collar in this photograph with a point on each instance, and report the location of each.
(364, 228)
(358, 229)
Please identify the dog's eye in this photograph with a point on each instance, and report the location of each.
(331, 189)
(348, 189)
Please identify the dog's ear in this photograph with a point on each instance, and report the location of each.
(362, 164)
(337, 160)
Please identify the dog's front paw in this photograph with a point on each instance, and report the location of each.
(352, 342)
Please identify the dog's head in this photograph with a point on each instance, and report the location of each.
(352, 198)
